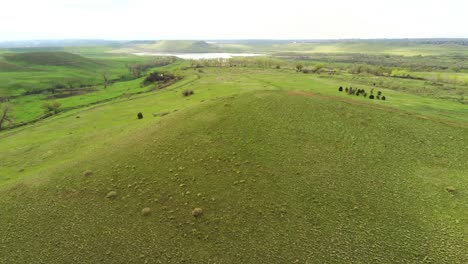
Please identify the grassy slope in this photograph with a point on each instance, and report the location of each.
(21, 72)
(50, 141)
(282, 176)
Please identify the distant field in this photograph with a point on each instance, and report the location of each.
(410, 48)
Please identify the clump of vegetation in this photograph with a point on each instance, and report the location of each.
(299, 67)
(451, 189)
(359, 92)
(154, 77)
(197, 212)
(87, 173)
(187, 93)
(111, 195)
(146, 211)
(140, 115)
(51, 107)
(137, 69)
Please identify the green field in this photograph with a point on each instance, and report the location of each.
(286, 168)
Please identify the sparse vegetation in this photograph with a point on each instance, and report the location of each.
(51, 107)
(187, 93)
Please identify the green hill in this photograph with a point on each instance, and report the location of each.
(185, 46)
(33, 72)
(51, 59)
(281, 177)
(9, 67)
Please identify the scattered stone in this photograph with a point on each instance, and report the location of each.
(111, 195)
(146, 211)
(197, 212)
(451, 189)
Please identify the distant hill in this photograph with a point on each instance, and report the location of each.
(58, 43)
(50, 59)
(186, 46)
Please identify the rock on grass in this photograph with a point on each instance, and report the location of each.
(146, 211)
(87, 173)
(111, 195)
(451, 189)
(197, 212)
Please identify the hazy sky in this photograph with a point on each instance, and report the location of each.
(231, 19)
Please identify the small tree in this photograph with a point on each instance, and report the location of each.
(51, 107)
(299, 67)
(106, 77)
(5, 115)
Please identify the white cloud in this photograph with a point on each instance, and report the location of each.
(210, 19)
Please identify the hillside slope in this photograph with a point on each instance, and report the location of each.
(51, 59)
(282, 177)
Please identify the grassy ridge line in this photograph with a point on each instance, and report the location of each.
(302, 179)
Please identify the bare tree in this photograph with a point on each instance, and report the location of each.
(5, 115)
(106, 77)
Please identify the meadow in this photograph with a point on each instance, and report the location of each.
(282, 166)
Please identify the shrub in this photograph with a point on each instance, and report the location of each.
(371, 96)
(187, 93)
(299, 67)
(51, 107)
(140, 115)
(158, 77)
(383, 98)
(146, 211)
(87, 173)
(340, 89)
(197, 212)
(111, 195)
(451, 189)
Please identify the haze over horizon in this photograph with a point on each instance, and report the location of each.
(242, 19)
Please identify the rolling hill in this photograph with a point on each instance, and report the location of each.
(281, 174)
(51, 59)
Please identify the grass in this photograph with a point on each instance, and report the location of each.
(317, 177)
(278, 166)
(37, 72)
(32, 71)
